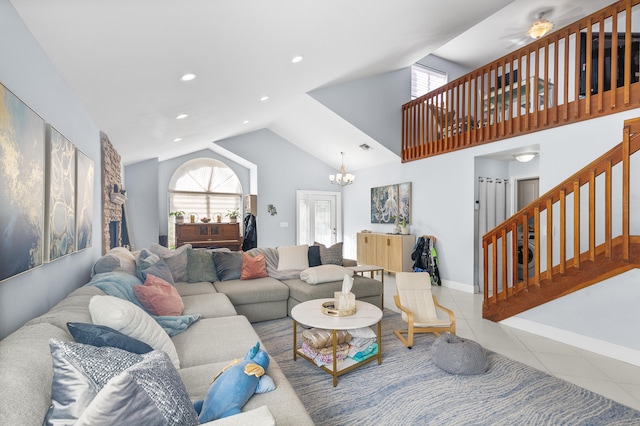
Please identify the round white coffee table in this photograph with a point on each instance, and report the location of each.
(310, 314)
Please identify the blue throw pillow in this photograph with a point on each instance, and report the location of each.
(314, 256)
(228, 264)
(149, 263)
(100, 335)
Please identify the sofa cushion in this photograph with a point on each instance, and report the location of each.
(253, 267)
(149, 263)
(228, 264)
(324, 274)
(330, 255)
(293, 257)
(362, 287)
(176, 260)
(255, 291)
(211, 305)
(73, 308)
(200, 266)
(26, 374)
(191, 289)
(131, 320)
(98, 385)
(100, 335)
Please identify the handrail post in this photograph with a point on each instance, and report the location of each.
(625, 191)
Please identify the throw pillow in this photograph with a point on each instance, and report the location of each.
(127, 318)
(314, 256)
(149, 263)
(110, 386)
(324, 274)
(159, 297)
(228, 264)
(200, 266)
(176, 260)
(331, 255)
(293, 257)
(118, 259)
(100, 335)
(253, 267)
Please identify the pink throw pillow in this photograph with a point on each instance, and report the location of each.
(253, 267)
(159, 297)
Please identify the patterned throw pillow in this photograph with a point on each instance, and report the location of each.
(331, 255)
(105, 385)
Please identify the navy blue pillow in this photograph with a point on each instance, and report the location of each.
(100, 335)
(314, 256)
(228, 264)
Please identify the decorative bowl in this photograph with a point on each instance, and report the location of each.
(205, 220)
(329, 308)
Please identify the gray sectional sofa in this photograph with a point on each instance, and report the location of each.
(222, 333)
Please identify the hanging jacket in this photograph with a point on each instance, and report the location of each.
(425, 259)
(250, 239)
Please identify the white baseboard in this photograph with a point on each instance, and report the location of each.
(458, 286)
(611, 350)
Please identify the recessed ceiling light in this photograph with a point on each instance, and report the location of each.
(187, 77)
(264, 98)
(245, 122)
(177, 139)
(181, 116)
(297, 59)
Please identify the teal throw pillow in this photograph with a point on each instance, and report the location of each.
(200, 266)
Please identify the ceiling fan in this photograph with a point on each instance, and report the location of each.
(542, 23)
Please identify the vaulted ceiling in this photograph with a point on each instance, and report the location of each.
(124, 59)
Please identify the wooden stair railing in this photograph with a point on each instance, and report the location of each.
(559, 79)
(581, 231)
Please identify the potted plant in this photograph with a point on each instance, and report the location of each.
(179, 216)
(404, 229)
(233, 215)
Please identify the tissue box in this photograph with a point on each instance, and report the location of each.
(345, 303)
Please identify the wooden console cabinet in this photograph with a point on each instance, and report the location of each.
(391, 251)
(209, 235)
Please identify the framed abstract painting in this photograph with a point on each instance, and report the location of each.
(60, 226)
(84, 200)
(22, 189)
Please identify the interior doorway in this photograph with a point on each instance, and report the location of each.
(527, 191)
(319, 217)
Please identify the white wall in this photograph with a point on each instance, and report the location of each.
(27, 72)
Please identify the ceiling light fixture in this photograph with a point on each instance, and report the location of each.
(297, 59)
(177, 139)
(539, 28)
(245, 122)
(524, 157)
(264, 98)
(343, 178)
(187, 77)
(181, 116)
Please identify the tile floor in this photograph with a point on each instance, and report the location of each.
(611, 378)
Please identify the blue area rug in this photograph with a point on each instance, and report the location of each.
(408, 389)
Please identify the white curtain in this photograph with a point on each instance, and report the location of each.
(492, 210)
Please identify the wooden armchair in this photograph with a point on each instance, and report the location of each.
(446, 123)
(418, 307)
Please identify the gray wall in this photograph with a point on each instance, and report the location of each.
(27, 72)
(141, 182)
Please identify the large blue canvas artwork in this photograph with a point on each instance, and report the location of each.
(84, 200)
(22, 162)
(61, 207)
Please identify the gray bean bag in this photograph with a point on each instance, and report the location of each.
(456, 355)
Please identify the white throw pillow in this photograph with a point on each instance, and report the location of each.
(324, 274)
(293, 257)
(127, 318)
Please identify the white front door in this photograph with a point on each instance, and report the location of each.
(318, 217)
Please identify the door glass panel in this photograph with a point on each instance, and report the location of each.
(303, 222)
(323, 222)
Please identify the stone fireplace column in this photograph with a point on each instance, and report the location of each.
(111, 175)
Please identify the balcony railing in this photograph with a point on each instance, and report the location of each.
(585, 70)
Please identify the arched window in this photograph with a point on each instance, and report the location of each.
(206, 187)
